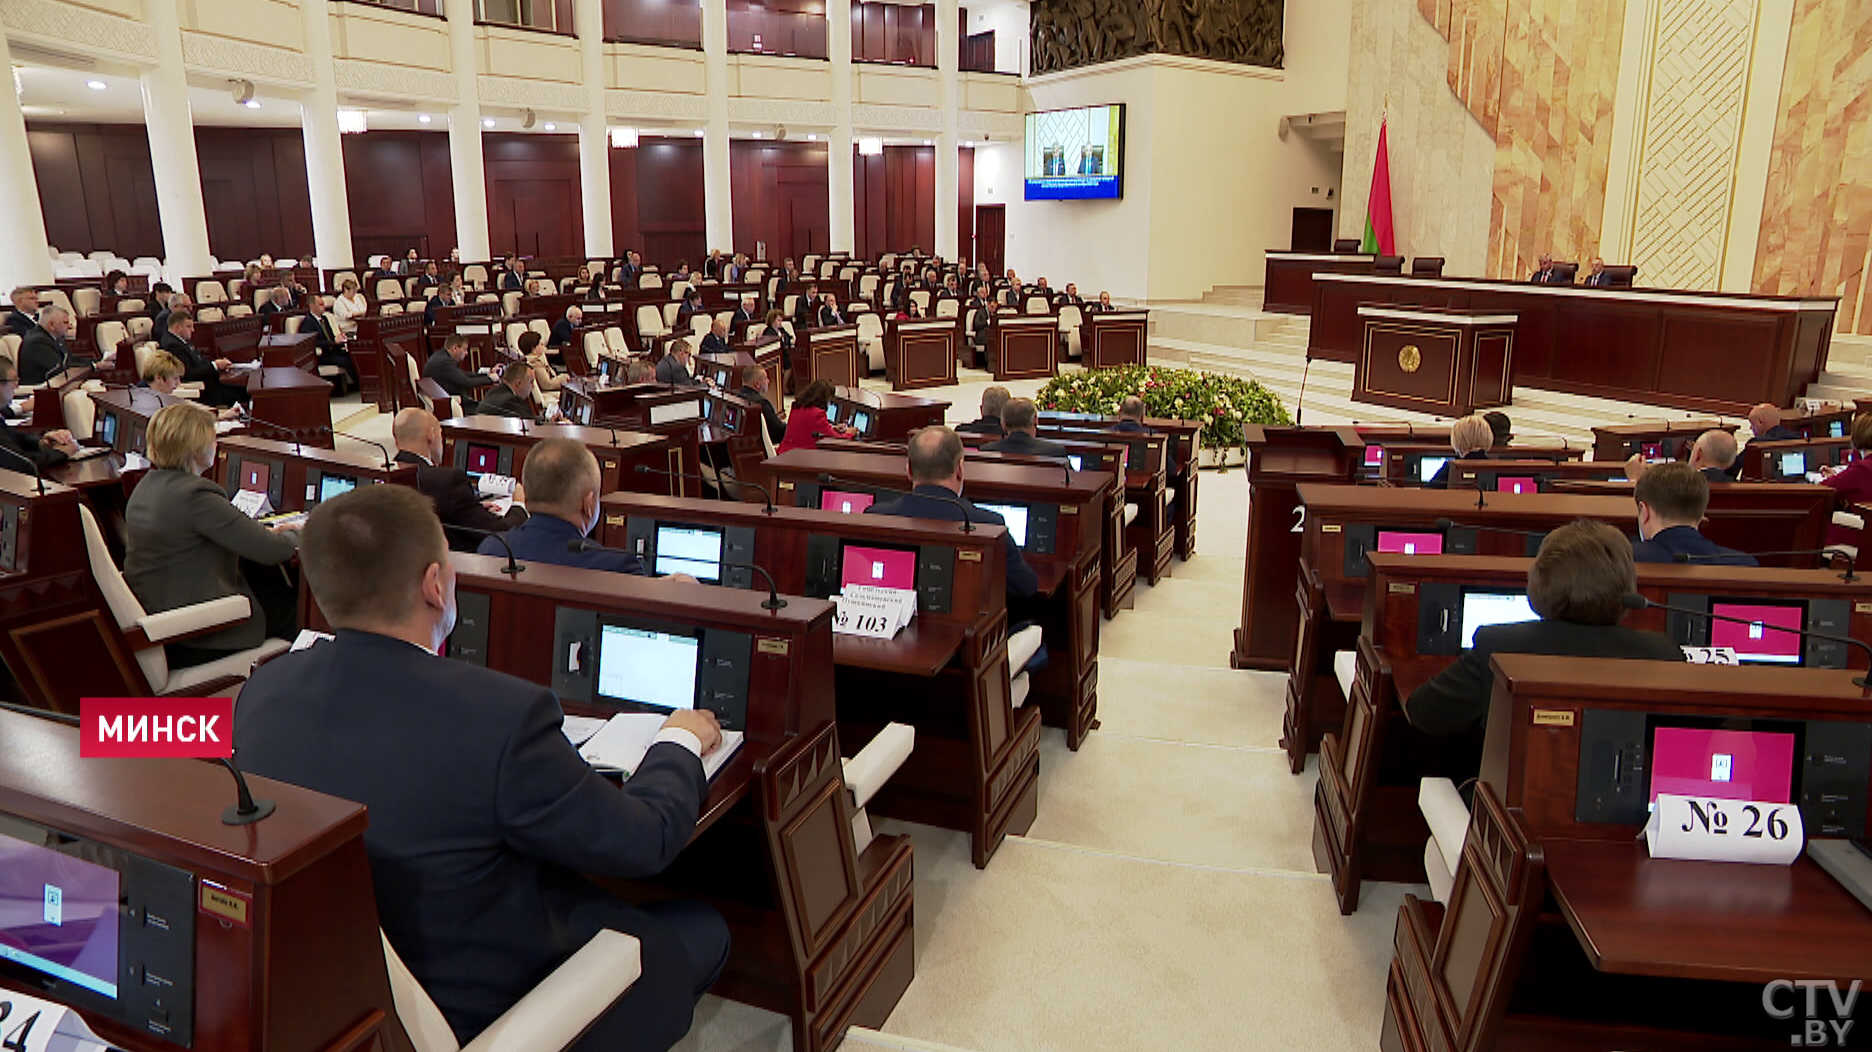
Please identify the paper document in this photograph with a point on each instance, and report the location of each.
(492, 485)
(621, 744)
(87, 452)
(222, 427)
(244, 367)
(307, 637)
(499, 504)
(579, 729)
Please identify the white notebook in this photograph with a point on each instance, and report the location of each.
(621, 743)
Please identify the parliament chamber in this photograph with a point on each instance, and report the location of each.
(692, 514)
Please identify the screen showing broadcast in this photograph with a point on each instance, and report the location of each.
(1770, 634)
(878, 567)
(648, 667)
(1410, 543)
(1483, 609)
(58, 915)
(694, 550)
(1075, 155)
(483, 460)
(849, 503)
(1015, 515)
(1722, 764)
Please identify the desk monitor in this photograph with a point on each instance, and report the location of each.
(1722, 764)
(861, 421)
(582, 412)
(1836, 429)
(1482, 609)
(1077, 461)
(648, 667)
(694, 550)
(258, 475)
(845, 501)
(878, 565)
(1765, 637)
(1015, 515)
(480, 458)
(832, 411)
(834, 561)
(1848, 455)
(1448, 614)
(105, 430)
(1771, 636)
(1362, 537)
(1410, 542)
(323, 486)
(675, 412)
(1793, 463)
(1374, 458)
(66, 931)
(1517, 484)
(639, 665)
(1654, 451)
(1427, 467)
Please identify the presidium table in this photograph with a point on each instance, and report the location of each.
(1450, 363)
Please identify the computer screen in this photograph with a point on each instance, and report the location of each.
(106, 430)
(1428, 467)
(1763, 639)
(1075, 154)
(1722, 764)
(880, 567)
(1652, 450)
(1409, 543)
(66, 927)
(861, 421)
(1517, 484)
(849, 503)
(672, 412)
(1015, 515)
(1836, 429)
(648, 667)
(335, 486)
(694, 550)
(1794, 463)
(483, 460)
(1482, 609)
(1374, 457)
(256, 475)
(1077, 461)
(832, 411)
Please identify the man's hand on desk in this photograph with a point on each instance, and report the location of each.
(683, 577)
(61, 441)
(223, 364)
(699, 722)
(1636, 467)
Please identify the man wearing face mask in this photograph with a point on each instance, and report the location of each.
(481, 836)
(561, 481)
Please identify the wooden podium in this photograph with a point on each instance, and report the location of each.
(1450, 363)
(829, 353)
(921, 353)
(1115, 338)
(1023, 347)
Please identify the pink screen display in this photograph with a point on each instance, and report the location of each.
(1724, 765)
(1522, 484)
(1758, 640)
(881, 567)
(1374, 456)
(1410, 543)
(849, 503)
(484, 460)
(256, 477)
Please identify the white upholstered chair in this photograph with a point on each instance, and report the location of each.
(550, 1017)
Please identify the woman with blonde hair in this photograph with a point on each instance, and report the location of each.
(1470, 439)
(348, 306)
(163, 374)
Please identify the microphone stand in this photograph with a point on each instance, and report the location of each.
(31, 465)
(514, 567)
(645, 469)
(1835, 552)
(369, 442)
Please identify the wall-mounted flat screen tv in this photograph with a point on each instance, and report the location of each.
(1076, 154)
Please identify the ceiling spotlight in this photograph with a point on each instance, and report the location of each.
(870, 146)
(422, 118)
(95, 85)
(487, 122)
(970, 143)
(624, 138)
(351, 122)
(812, 138)
(757, 135)
(550, 126)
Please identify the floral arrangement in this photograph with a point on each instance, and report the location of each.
(1225, 404)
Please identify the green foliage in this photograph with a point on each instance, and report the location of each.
(1223, 403)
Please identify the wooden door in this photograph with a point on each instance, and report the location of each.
(990, 235)
(1312, 230)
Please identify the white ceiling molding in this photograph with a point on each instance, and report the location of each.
(63, 27)
(781, 111)
(203, 53)
(393, 82)
(537, 94)
(897, 118)
(656, 105)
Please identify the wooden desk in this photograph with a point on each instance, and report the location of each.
(235, 339)
(829, 353)
(1706, 352)
(1448, 363)
(1023, 347)
(296, 476)
(1749, 516)
(1185, 451)
(921, 353)
(1769, 461)
(376, 333)
(48, 399)
(500, 443)
(1515, 475)
(56, 636)
(1289, 286)
(886, 416)
(298, 350)
(1112, 339)
(1652, 439)
(288, 404)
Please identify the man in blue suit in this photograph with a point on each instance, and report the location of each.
(936, 472)
(1671, 501)
(483, 818)
(561, 480)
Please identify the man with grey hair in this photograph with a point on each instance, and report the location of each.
(994, 399)
(44, 351)
(561, 335)
(1022, 421)
(19, 320)
(1131, 417)
(1715, 455)
(935, 462)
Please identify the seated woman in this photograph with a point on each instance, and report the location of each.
(187, 543)
(162, 373)
(773, 320)
(116, 283)
(1852, 482)
(807, 419)
(348, 306)
(1470, 438)
(544, 375)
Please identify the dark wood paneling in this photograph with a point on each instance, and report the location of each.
(653, 22)
(657, 200)
(780, 197)
(96, 188)
(400, 193)
(897, 33)
(965, 203)
(783, 27)
(534, 199)
(254, 192)
(895, 195)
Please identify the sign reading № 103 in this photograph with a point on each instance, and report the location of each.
(141, 728)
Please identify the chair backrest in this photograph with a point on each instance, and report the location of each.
(241, 310)
(428, 1030)
(389, 289)
(594, 349)
(109, 334)
(210, 292)
(921, 298)
(867, 285)
(475, 275)
(514, 329)
(80, 411)
(699, 324)
(756, 330)
(1036, 305)
(828, 268)
(86, 301)
(1564, 273)
(510, 302)
(809, 264)
(124, 607)
(1621, 276)
(127, 306)
(678, 289)
(541, 326)
(869, 326)
(209, 314)
(140, 327)
(390, 308)
(1346, 244)
(1389, 265)
(1070, 318)
(614, 340)
(1427, 267)
(790, 304)
(670, 311)
(293, 323)
(649, 320)
(141, 354)
(648, 280)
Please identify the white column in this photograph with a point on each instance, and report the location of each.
(717, 203)
(324, 150)
(594, 143)
(466, 172)
(839, 153)
(23, 259)
(948, 143)
(172, 147)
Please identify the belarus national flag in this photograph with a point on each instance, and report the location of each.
(1380, 237)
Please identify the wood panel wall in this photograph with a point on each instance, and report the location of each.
(535, 202)
(780, 197)
(254, 191)
(657, 201)
(899, 33)
(400, 193)
(895, 195)
(663, 22)
(97, 190)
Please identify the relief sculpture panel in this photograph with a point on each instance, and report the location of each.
(1071, 33)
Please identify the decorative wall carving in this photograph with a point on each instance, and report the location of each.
(397, 82)
(780, 111)
(669, 105)
(905, 118)
(67, 27)
(221, 55)
(1069, 33)
(978, 124)
(539, 94)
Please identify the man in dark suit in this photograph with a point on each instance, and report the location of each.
(981, 316)
(829, 313)
(330, 340)
(631, 270)
(484, 819)
(806, 311)
(430, 277)
(1597, 275)
(43, 352)
(935, 456)
(512, 396)
(745, 311)
(407, 265)
(789, 275)
(753, 390)
(513, 277)
(716, 341)
(19, 320)
(445, 368)
(674, 368)
(444, 297)
(197, 368)
(561, 479)
(53, 447)
(1548, 274)
(418, 438)
(1022, 421)
(1131, 416)
(1575, 584)
(561, 335)
(1671, 500)
(1765, 422)
(951, 290)
(1071, 297)
(176, 301)
(691, 306)
(279, 301)
(1717, 455)
(994, 400)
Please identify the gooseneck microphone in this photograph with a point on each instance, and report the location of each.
(381, 448)
(31, 465)
(1444, 525)
(961, 505)
(514, 567)
(1480, 493)
(773, 601)
(1834, 552)
(645, 469)
(1634, 601)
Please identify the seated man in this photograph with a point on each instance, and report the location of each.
(484, 820)
(1103, 306)
(1671, 501)
(178, 340)
(444, 297)
(981, 317)
(829, 313)
(21, 447)
(1765, 422)
(1071, 297)
(1717, 455)
(43, 352)
(418, 438)
(562, 329)
(745, 313)
(279, 301)
(513, 395)
(716, 342)
(1022, 421)
(674, 368)
(1575, 584)
(561, 480)
(329, 338)
(1598, 278)
(994, 399)
(935, 455)
(445, 368)
(1131, 416)
(19, 320)
(754, 386)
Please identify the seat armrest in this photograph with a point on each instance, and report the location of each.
(1446, 815)
(195, 619)
(566, 1002)
(867, 772)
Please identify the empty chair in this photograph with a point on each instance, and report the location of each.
(809, 264)
(9, 347)
(871, 339)
(1036, 305)
(648, 280)
(756, 331)
(103, 257)
(209, 314)
(140, 327)
(87, 301)
(1347, 244)
(510, 302)
(239, 310)
(1427, 267)
(1621, 277)
(390, 308)
(80, 410)
(487, 297)
(129, 306)
(848, 273)
(699, 324)
(90, 268)
(773, 288)
(887, 260)
(541, 326)
(260, 297)
(475, 276)
(948, 308)
(867, 286)
(389, 289)
(1069, 321)
(614, 340)
(755, 275)
(670, 311)
(790, 304)
(828, 268)
(594, 350)
(147, 261)
(650, 322)
(678, 289)
(109, 335)
(210, 292)
(1388, 265)
(1564, 273)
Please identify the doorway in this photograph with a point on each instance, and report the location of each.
(990, 236)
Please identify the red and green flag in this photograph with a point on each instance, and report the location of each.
(1380, 236)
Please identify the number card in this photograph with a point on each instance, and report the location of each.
(1707, 830)
(878, 613)
(27, 1024)
(253, 503)
(1711, 656)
